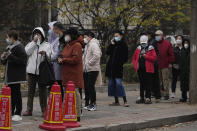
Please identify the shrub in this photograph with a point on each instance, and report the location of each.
(129, 74)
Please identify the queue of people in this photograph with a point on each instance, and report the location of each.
(76, 57)
(156, 60)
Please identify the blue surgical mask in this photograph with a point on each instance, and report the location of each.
(50, 32)
(38, 42)
(158, 38)
(117, 39)
(8, 41)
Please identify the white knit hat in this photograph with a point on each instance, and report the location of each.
(159, 32)
(143, 39)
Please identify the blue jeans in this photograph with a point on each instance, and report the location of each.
(115, 87)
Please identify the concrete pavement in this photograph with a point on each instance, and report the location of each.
(120, 118)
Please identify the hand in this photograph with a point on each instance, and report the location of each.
(42, 52)
(170, 66)
(4, 54)
(60, 60)
(112, 42)
(144, 55)
(36, 38)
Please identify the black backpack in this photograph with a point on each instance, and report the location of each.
(46, 73)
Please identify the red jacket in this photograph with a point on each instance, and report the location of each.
(72, 68)
(166, 54)
(150, 58)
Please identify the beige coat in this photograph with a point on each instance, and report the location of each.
(91, 56)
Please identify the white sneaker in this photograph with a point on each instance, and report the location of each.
(172, 95)
(85, 107)
(16, 118)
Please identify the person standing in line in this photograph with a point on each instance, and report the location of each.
(53, 39)
(143, 62)
(36, 50)
(59, 30)
(72, 65)
(156, 85)
(185, 70)
(118, 55)
(178, 49)
(165, 60)
(15, 59)
(91, 67)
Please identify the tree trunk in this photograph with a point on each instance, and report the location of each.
(193, 54)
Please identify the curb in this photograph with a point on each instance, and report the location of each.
(139, 125)
(99, 89)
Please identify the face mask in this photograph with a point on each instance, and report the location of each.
(85, 40)
(67, 38)
(178, 41)
(50, 32)
(144, 45)
(186, 46)
(8, 41)
(117, 39)
(38, 42)
(158, 38)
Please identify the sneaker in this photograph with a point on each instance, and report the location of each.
(140, 101)
(148, 101)
(173, 95)
(16, 118)
(92, 108)
(85, 107)
(27, 113)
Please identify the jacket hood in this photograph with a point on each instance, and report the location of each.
(50, 24)
(41, 30)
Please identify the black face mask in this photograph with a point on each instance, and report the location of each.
(144, 45)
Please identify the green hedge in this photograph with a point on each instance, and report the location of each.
(129, 74)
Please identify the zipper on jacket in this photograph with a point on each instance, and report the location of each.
(37, 61)
(85, 57)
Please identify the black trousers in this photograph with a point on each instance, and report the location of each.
(184, 79)
(89, 82)
(175, 75)
(16, 99)
(156, 83)
(145, 83)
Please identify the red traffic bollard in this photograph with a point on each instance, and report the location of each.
(69, 108)
(5, 109)
(53, 119)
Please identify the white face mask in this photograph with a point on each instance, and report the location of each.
(178, 41)
(186, 46)
(67, 38)
(85, 40)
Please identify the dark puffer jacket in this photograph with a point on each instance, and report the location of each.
(118, 55)
(15, 64)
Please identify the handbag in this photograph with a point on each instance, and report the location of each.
(46, 73)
